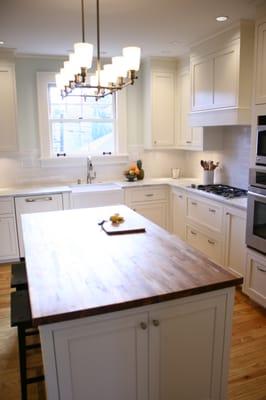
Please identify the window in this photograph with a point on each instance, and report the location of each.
(79, 127)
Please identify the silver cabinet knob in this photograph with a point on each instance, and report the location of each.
(155, 322)
(143, 325)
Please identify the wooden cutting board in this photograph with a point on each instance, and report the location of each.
(128, 226)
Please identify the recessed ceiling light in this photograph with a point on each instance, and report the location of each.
(1, 42)
(222, 18)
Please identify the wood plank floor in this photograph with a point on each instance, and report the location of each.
(247, 380)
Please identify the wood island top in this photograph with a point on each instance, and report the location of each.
(75, 269)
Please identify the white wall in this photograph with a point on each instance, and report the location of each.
(26, 167)
(234, 158)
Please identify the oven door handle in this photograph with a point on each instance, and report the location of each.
(257, 195)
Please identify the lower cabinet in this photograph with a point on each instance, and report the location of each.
(173, 350)
(179, 213)
(255, 277)
(8, 231)
(35, 204)
(235, 247)
(8, 238)
(207, 244)
(149, 201)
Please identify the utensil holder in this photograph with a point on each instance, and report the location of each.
(208, 177)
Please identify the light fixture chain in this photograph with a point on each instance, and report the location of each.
(82, 21)
(98, 41)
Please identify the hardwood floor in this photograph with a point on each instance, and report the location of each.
(247, 380)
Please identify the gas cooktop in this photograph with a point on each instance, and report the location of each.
(223, 190)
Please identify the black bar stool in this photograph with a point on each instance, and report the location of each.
(21, 318)
(19, 276)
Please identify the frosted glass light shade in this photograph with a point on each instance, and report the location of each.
(132, 57)
(68, 73)
(119, 66)
(64, 76)
(83, 53)
(75, 67)
(111, 73)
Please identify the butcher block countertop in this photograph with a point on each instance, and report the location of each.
(75, 269)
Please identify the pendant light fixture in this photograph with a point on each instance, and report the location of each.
(107, 80)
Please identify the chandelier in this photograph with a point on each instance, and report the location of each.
(107, 80)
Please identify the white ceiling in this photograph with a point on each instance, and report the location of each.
(159, 27)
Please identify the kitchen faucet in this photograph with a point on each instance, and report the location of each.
(91, 174)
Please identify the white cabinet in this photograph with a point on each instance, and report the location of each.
(34, 204)
(8, 109)
(189, 138)
(207, 243)
(205, 212)
(235, 247)
(173, 350)
(260, 63)
(221, 86)
(159, 104)
(149, 201)
(8, 232)
(103, 360)
(178, 198)
(255, 277)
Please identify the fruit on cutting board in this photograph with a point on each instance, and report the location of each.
(116, 219)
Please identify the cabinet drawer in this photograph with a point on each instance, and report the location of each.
(148, 194)
(212, 248)
(255, 284)
(207, 214)
(6, 205)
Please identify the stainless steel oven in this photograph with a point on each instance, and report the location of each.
(256, 211)
(261, 141)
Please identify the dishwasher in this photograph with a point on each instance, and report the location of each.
(35, 204)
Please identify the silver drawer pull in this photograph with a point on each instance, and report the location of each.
(193, 233)
(149, 194)
(211, 242)
(194, 203)
(143, 325)
(180, 196)
(212, 210)
(262, 269)
(32, 199)
(155, 322)
(188, 141)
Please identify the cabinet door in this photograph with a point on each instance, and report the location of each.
(163, 107)
(33, 204)
(255, 278)
(8, 114)
(260, 76)
(235, 248)
(186, 345)
(185, 132)
(179, 214)
(8, 239)
(103, 360)
(226, 73)
(156, 212)
(202, 84)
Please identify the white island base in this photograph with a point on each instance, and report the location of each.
(173, 350)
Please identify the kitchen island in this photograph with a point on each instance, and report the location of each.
(139, 316)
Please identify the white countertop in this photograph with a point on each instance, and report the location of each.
(182, 183)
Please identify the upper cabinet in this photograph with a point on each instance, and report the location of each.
(260, 75)
(221, 78)
(188, 138)
(159, 103)
(8, 108)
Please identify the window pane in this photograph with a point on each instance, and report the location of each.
(81, 126)
(82, 137)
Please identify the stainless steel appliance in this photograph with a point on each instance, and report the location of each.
(256, 212)
(261, 141)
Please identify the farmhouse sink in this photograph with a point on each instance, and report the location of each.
(94, 187)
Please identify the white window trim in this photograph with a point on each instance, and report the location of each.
(45, 78)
